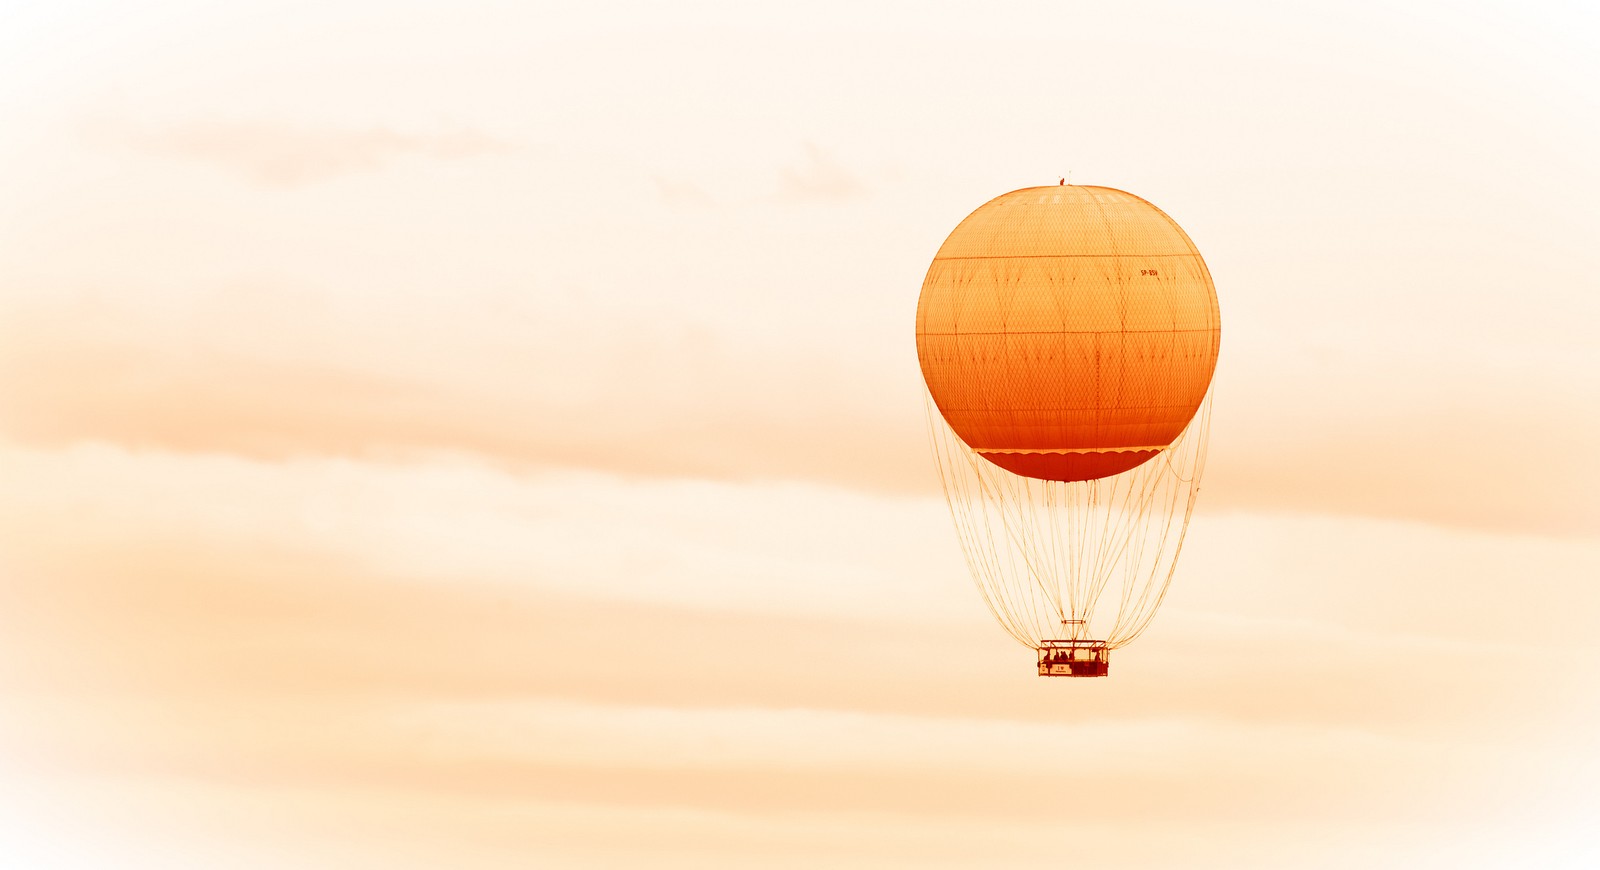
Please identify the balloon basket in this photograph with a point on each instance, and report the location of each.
(1074, 658)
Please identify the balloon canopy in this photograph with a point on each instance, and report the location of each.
(1068, 333)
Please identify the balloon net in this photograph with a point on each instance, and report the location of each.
(1072, 561)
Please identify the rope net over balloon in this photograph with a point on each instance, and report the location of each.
(1074, 560)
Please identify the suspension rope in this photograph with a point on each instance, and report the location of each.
(1043, 553)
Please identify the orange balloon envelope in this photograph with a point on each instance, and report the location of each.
(1068, 333)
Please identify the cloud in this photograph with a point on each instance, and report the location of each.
(320, 639)
(676, 192)
(268, 374)
(456, 580)
(820, 177)
(258, 377)
(288, 155)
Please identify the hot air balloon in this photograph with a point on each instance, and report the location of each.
(1067, 335)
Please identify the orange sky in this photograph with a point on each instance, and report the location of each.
(490, 435)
